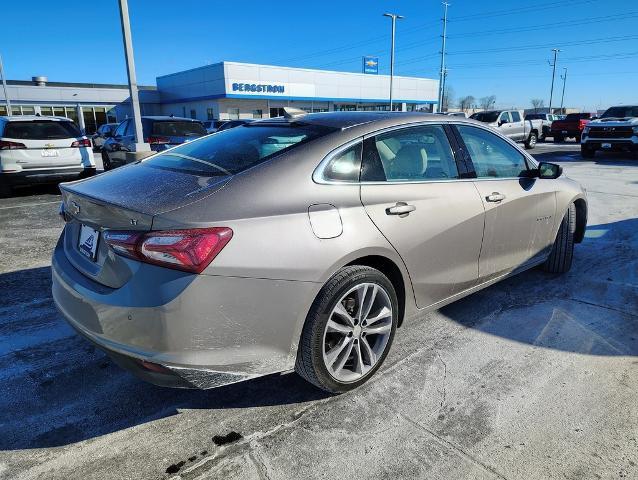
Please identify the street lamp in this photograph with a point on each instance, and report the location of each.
(394, 17)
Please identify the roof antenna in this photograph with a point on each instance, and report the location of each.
(291, 113)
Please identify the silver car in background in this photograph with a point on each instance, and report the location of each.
(302, 242)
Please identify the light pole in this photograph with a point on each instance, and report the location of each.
(140, 146)
(562, 97)
(442, 72)
(4, 86)
(551, 93)
(394, 17)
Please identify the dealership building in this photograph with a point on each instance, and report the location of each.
(225, 90)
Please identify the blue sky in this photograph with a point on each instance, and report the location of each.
(499, 48)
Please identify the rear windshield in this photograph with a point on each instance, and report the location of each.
(41, 130)
(237, 149)
(535, 116)
(577, 116)
(621, 112)
(487, 117)
(176, 128)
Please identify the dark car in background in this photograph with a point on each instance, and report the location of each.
(161, 132)
(103, 133)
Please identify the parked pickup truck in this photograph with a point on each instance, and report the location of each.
(571, 126)
(511, 124)
(546, 119)
(616, 129)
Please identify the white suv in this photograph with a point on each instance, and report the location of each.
(36, 149)
(616, 129)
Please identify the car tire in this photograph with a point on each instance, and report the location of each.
(106, 161)
(558, 139)
(577, 138)
(587, 152)
(319, 340)
(5, 191)
(531, 141)
(560, 259)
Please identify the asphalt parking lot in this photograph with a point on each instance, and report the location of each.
(532, 378)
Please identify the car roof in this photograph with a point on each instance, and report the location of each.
(33, 118)
(168, 117)
(344, 120)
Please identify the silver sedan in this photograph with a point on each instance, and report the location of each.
(302, 242)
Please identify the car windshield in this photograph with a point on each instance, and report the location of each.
(621, 112)
(41, 130)
(487, 117)
(232, 151)
(177, 128)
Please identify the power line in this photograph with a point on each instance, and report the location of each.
(510, 11)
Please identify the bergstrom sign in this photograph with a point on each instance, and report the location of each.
(258, 88)
(254, 87)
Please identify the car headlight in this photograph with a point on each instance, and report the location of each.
(586, 130)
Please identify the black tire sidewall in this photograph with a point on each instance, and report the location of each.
(319, 314)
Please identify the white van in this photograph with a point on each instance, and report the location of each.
(36, 149)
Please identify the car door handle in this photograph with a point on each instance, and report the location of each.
(495, 197)
(401, 209)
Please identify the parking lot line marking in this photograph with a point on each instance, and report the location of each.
(29, 205)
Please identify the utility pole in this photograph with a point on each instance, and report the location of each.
(442, 72)
(443, 94)
(562, 97)
(394, 17)
(551, 94)
(4, 86)
(140, 146)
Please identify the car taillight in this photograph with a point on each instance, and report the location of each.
(83, 142)
(5, 145)
(155, 139)
(190, 250)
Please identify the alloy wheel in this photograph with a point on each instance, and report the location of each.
(357, 332)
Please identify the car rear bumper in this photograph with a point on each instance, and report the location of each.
(46, 175)
(204, 331)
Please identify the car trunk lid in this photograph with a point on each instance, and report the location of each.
(127, 198)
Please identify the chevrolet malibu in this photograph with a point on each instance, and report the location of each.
(302, 242)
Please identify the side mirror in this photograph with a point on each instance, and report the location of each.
(549, 170)
(502, 122)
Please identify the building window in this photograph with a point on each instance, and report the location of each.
(46, 111)
(16, 111)
(233, 113)
(72, 113)
(210, 114)
(258, 114)
(28, 110)
(3, 110)
(193, 113)
(276, 112)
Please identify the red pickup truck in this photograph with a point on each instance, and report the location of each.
(571, 126)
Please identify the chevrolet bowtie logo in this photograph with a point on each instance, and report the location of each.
(49, 145)
(371, 63)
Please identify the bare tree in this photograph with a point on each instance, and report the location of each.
(465, 103)
(448, 98)
(537, 103)
(487, 102)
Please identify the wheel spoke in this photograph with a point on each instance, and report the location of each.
(342, 312)
(367, 301)
(384, 313)
(377, 329)
(360, 368)
(331, 356)
(367, 349)
(338, 327)
(344, 357)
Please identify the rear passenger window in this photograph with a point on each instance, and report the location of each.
(345, 165)
(492, 156)
(516, 117)
(409, 154)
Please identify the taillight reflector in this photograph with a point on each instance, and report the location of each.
(155, 140)
(5, 145)
(190, 250)
(83, 142)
